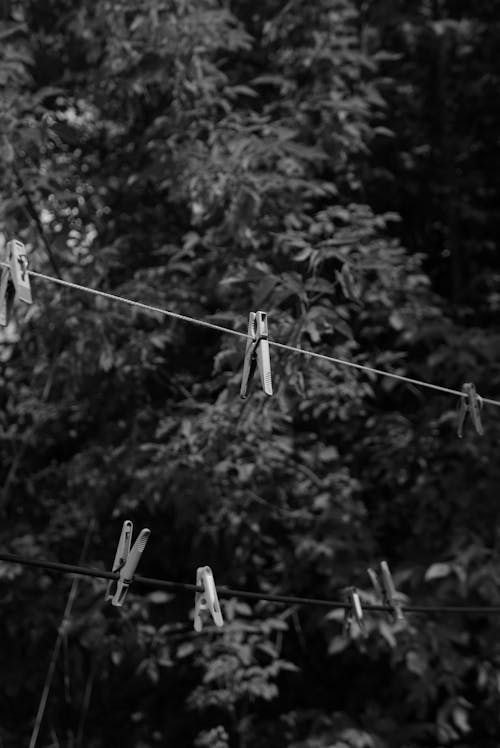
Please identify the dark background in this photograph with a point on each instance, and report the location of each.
(336, 164)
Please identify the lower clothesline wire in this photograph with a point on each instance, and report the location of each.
(227, 592)
(230, 331)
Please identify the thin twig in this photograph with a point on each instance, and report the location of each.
(34, 215)
(57, 646)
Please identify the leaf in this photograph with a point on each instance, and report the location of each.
(460, 717)
(384, 131)
(438, 571)
(11, 29)
(106, 359)
(416, 663)
(241, 90)
(269, 80)
(396, 321)
(185, 650)
(338, 644)
(47, 91)
(116, 657)
(7, 151)
(159, 597)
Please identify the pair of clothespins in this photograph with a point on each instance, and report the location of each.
(386, 593)
(14, 280)
(257, 354)
(125, 564)
(471, 403)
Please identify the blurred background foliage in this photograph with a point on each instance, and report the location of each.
(334, 163)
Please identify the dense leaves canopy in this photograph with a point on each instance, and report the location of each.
(333, 163)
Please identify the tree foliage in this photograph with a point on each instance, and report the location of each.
(333, 164)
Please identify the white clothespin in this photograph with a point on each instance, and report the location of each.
(257, 354)
(353, 613)
(14, 280)
(126, 560)
(386, 590)
(206, 600)
(472, 404)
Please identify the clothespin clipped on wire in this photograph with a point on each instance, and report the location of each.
(125, 563)
(353, 613)
(385, 590)
(206, 600)
(472, 403)
(257, 354)
(14, 280)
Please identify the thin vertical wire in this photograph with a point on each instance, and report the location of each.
(86, 702)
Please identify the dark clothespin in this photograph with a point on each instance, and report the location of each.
(257, 354)
(353, 613)
(471, 403)
(206, 600)
(14, 280)
(385, 590)
(126, 560)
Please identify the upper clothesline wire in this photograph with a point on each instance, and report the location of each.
(230, 331)
(228, 592)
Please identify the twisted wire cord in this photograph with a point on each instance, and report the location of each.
(227, 592)
(230, 331)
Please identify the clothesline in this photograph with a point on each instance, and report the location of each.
(228, 592)
(230, 331)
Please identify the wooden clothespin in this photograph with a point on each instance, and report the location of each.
(14, 280)
(206, 600)
(386, 590)
(257, 354)
(353, 613)
(471, 403)
(125, 563)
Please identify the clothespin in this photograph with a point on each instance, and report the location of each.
(353, 613)
(386, 590)
(206, 600)
(257, 354)
(126, 560)
(14, 280)
(472, 403)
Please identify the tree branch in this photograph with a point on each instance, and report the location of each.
(34, 215)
